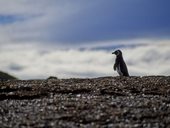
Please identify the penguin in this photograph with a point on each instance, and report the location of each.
(120, 64)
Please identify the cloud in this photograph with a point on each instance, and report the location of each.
(152, 59)
(37, 19)
(82, 22)
(36, 64)
(75, 38)
(28, 63)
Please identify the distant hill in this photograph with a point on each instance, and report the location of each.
(6, 76)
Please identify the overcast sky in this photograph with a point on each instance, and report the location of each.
(77, 21)
(40, 27)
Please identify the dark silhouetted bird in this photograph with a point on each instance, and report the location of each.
(120, 65)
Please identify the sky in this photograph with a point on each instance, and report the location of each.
(64, 38)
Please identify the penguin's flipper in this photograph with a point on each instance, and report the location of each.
(114, 67)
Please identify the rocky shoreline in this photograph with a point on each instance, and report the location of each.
(131, 102)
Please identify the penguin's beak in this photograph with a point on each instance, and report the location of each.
(113, 52)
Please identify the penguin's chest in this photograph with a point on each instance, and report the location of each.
(118, 69)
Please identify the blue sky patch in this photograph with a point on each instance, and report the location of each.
(8, 19)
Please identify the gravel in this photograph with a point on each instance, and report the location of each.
(105, 102)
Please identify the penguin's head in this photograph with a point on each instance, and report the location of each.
(117, 52)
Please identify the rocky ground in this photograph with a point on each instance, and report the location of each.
(131, 102)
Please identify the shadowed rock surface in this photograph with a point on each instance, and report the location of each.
(131, 102)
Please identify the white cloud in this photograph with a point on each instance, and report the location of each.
(151, 59)
(71, 63)
(38, 18)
